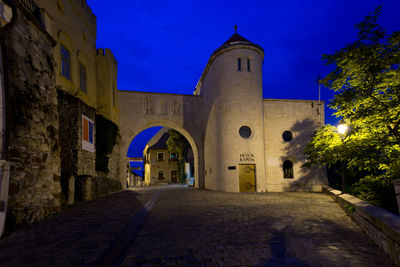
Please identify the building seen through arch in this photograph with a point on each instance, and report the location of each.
(161, 165)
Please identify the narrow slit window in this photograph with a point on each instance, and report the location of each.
(113, 94)
(82, 77)
(248, 64)
(239, 64)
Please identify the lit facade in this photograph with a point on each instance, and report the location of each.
(81, 70)
(241, 142)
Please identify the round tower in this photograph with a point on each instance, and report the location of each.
(231, 86)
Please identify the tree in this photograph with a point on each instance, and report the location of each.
(178, 144)
(366, 80)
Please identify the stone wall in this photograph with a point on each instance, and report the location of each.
(382, 226)
(34, 151)
(142, 110)
(117, 164)
(75, 161)
(68, 120)
(86, 159)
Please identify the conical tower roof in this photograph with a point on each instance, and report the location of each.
(237, 39)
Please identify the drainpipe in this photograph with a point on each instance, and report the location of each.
(6, 15)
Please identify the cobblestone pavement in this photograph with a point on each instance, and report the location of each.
(75, 237)
(199, 228)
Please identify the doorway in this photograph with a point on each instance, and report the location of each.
(247, 177)
(174, 177)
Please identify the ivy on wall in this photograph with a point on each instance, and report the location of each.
(106, 138)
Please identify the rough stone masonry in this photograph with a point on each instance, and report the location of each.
(34, 152)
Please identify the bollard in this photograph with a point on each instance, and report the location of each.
(87, 191)
(71, 190)
(396, 184)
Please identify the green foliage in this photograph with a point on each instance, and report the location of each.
(325, 147)
(178, 144)
(106, 138)
(377, 190)
(349, 208)
(366, 79)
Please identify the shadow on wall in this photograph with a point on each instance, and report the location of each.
(294, 151)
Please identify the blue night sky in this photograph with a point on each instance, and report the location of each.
(163, 46)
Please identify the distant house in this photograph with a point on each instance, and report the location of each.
(160, 165)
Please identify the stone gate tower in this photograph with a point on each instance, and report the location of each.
(231, 86)
(241, 141)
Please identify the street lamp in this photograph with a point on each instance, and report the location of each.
(342, 129)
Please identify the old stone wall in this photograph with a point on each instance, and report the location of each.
(86, 159)
(382, 226)
(116, 163)
(34, 151)
(75, 161)
(68, 120)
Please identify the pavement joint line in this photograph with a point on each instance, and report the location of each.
(116, 252)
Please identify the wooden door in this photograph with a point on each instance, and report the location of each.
(174, 176)
(247, 177)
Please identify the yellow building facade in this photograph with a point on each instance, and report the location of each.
(160, 166)
(81, 70)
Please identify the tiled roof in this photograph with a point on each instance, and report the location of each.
(161, 143)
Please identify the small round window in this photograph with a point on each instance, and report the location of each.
(245, 131)
(287, 136)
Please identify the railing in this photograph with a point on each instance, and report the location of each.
(32, 8)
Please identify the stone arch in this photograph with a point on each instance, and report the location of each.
(129, 136)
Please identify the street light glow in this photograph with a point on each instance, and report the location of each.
(342, 128)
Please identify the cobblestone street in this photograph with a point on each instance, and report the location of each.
(198, 228)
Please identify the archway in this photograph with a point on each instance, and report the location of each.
(172, 125)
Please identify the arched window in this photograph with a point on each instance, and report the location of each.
(287, 169)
